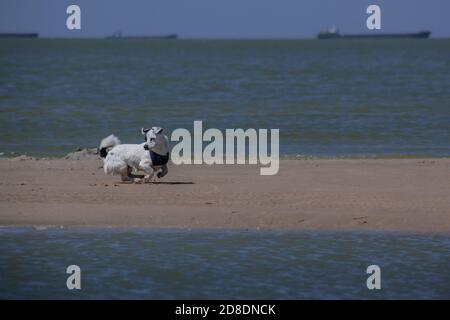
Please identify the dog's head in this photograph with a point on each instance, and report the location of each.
(153, 137)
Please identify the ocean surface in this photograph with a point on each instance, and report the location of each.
(221, 264)
(328, 98)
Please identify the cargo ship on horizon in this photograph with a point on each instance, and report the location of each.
(118, 35)
(19, 35)
(333, 33)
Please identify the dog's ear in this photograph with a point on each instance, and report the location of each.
(144, 131)
(157, 130)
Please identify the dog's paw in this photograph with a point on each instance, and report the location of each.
(138, 180)
(162, 173)
(149, 178)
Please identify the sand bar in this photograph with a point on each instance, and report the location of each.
(410, 195)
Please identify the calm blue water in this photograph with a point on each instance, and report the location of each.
(177, 264)
(329, 98)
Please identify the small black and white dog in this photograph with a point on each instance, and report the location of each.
(151, 156)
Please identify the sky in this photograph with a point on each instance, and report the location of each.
(222, 18)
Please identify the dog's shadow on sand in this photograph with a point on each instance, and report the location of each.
(159, 182)
(140, 176)
(171, 182)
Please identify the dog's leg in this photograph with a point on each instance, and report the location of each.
(145, 165)
(124, 176)
(163, 171)
(149, 176)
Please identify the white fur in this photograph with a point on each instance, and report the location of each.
(122, 158)
(109, 142)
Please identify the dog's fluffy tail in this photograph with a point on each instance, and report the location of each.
(107, 144)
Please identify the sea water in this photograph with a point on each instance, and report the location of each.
(328, 98)
(221, 264)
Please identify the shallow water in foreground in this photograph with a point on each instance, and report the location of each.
(221, 264)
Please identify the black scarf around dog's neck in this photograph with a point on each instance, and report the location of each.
(159, 160)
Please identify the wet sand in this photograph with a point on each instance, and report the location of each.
(410, 195)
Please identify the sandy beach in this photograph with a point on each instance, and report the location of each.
(394, 195)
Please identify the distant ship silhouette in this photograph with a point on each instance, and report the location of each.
(118, 35)
(333, 33)
(19, 35)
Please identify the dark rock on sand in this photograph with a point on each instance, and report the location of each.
(22, 157)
